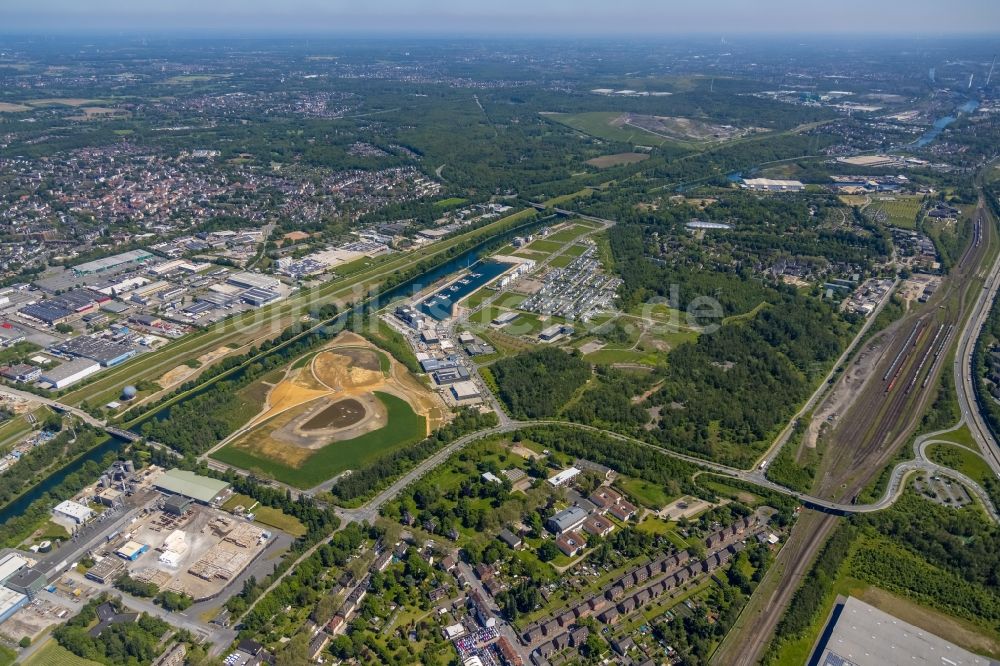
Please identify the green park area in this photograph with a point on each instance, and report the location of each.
(265, 515)
(961, 459)
(53, 654)
(898, 210)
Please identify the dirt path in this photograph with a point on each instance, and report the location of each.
(850, 385)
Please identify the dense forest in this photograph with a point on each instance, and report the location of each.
(536, 384)
(725, 394)
(121, 644)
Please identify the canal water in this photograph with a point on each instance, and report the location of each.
(441, 304)
(470, 259)
(21, 504)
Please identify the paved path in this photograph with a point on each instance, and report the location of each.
(55, 404)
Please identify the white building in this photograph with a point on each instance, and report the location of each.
(564, 476)
(10, 564)
(73, 512)
(69, 372)
(466, 390)
(771, 185)
(251, 280)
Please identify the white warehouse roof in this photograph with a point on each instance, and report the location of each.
(74, 510)
(10, 564)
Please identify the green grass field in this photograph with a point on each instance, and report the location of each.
(899, 211)
(562, 261)
(724, 490)
(13, 430)
(569, 233)
(544, 247)
(449, 202)
(239, 500)
(960, 436)
(961, 460)
(599, 124)
(404, 427)
(648, 494)
(278, 519)
(612, 356)
(7, 656)
(566, 198)
(266, 515)
(53, 654)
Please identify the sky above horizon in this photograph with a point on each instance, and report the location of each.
(512, 17)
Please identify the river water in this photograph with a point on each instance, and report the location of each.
(941, 123)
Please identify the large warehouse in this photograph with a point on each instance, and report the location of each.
(199, 488)
(10, 564)
(10, 603)
(27, 581)
(865, 636)
(69, 372)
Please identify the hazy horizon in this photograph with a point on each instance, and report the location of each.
(585, 18)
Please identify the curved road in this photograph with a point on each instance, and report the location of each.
(964, 379)
(894, 490)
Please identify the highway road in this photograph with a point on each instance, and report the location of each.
(964, 379)
(369, 511)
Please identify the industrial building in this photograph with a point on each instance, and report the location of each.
(555, 331)
(106, 571)
(771, 185)
(113, 262)
(504, 319)
(409, 316)
(253, 280)
(21, 372)
(177, 505)
(131, 550)
(862, 635)
(10, 334)
(434, 364)
(104, 351)
(27, 581)
(259, 297)
(47, 312)
(199, 488)
(73, 512)
(69, 372)
(144, 295)
(10, 603)
(10, 564)
(451, 375)
(465, 390)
